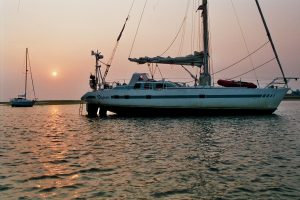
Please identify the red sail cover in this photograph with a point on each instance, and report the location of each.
(232, 83)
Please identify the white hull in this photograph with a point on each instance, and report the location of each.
(145, 96)
(195, 100)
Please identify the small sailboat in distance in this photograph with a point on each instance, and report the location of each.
(21, 100)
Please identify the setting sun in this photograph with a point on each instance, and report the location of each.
(54, 73)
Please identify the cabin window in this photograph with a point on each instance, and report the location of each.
(159, 86)
(147, 86)
(115, 97)
(137, 86)
(170, 85)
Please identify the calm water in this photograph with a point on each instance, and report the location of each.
(50, 152)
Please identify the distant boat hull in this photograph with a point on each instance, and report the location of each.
(20, 102)
(187, 101)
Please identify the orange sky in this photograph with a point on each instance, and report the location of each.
(61, 33)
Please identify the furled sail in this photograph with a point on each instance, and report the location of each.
(195, 59)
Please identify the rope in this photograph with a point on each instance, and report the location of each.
(120, 35)
(159, 71)
(244, 39)
(193, 28)
(19, 5)
(242, 58)
(151, 69)
(131, 7)
(31, 78)
(211, 63)
(108, 64)
(254, 68)
(182, 40)
(180, 28)
(137, 28)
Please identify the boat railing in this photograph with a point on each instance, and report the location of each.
(280, 81)
(113, 84)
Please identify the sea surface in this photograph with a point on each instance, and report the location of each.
(51, 152)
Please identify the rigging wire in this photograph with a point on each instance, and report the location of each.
(141, 17)
(271, 41)
(211, 50)
(182, 40)
(152, 69)
(157, 67)
(31, 78)
(162, 77)
(193, 36)
(182, 26)
(199, 30)
(244, 39)
(19, 5)
(239, 61)
(109, 62)
(191, 74)
(120, 35)
(193, 28)
(253, 68)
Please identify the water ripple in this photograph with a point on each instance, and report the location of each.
(5, 187)
(42, 177)
(53, 153)
(170, 193)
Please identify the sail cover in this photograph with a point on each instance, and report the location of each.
(195, 59)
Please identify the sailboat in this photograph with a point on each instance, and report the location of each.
(145, 96)
(21, 100)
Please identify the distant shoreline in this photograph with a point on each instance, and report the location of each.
(57, 102)
(69, 102)
(288, 98)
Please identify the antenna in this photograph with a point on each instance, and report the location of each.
(98, 74)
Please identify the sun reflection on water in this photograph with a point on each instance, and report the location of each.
(54, 149)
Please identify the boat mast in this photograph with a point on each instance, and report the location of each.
(26, 73)
(205, 79)
(271, 41)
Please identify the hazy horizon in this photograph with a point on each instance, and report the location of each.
(61, 34)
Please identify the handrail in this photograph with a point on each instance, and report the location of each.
(281, 81)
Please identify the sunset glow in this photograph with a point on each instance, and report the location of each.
(54, 73)
(66, 35)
